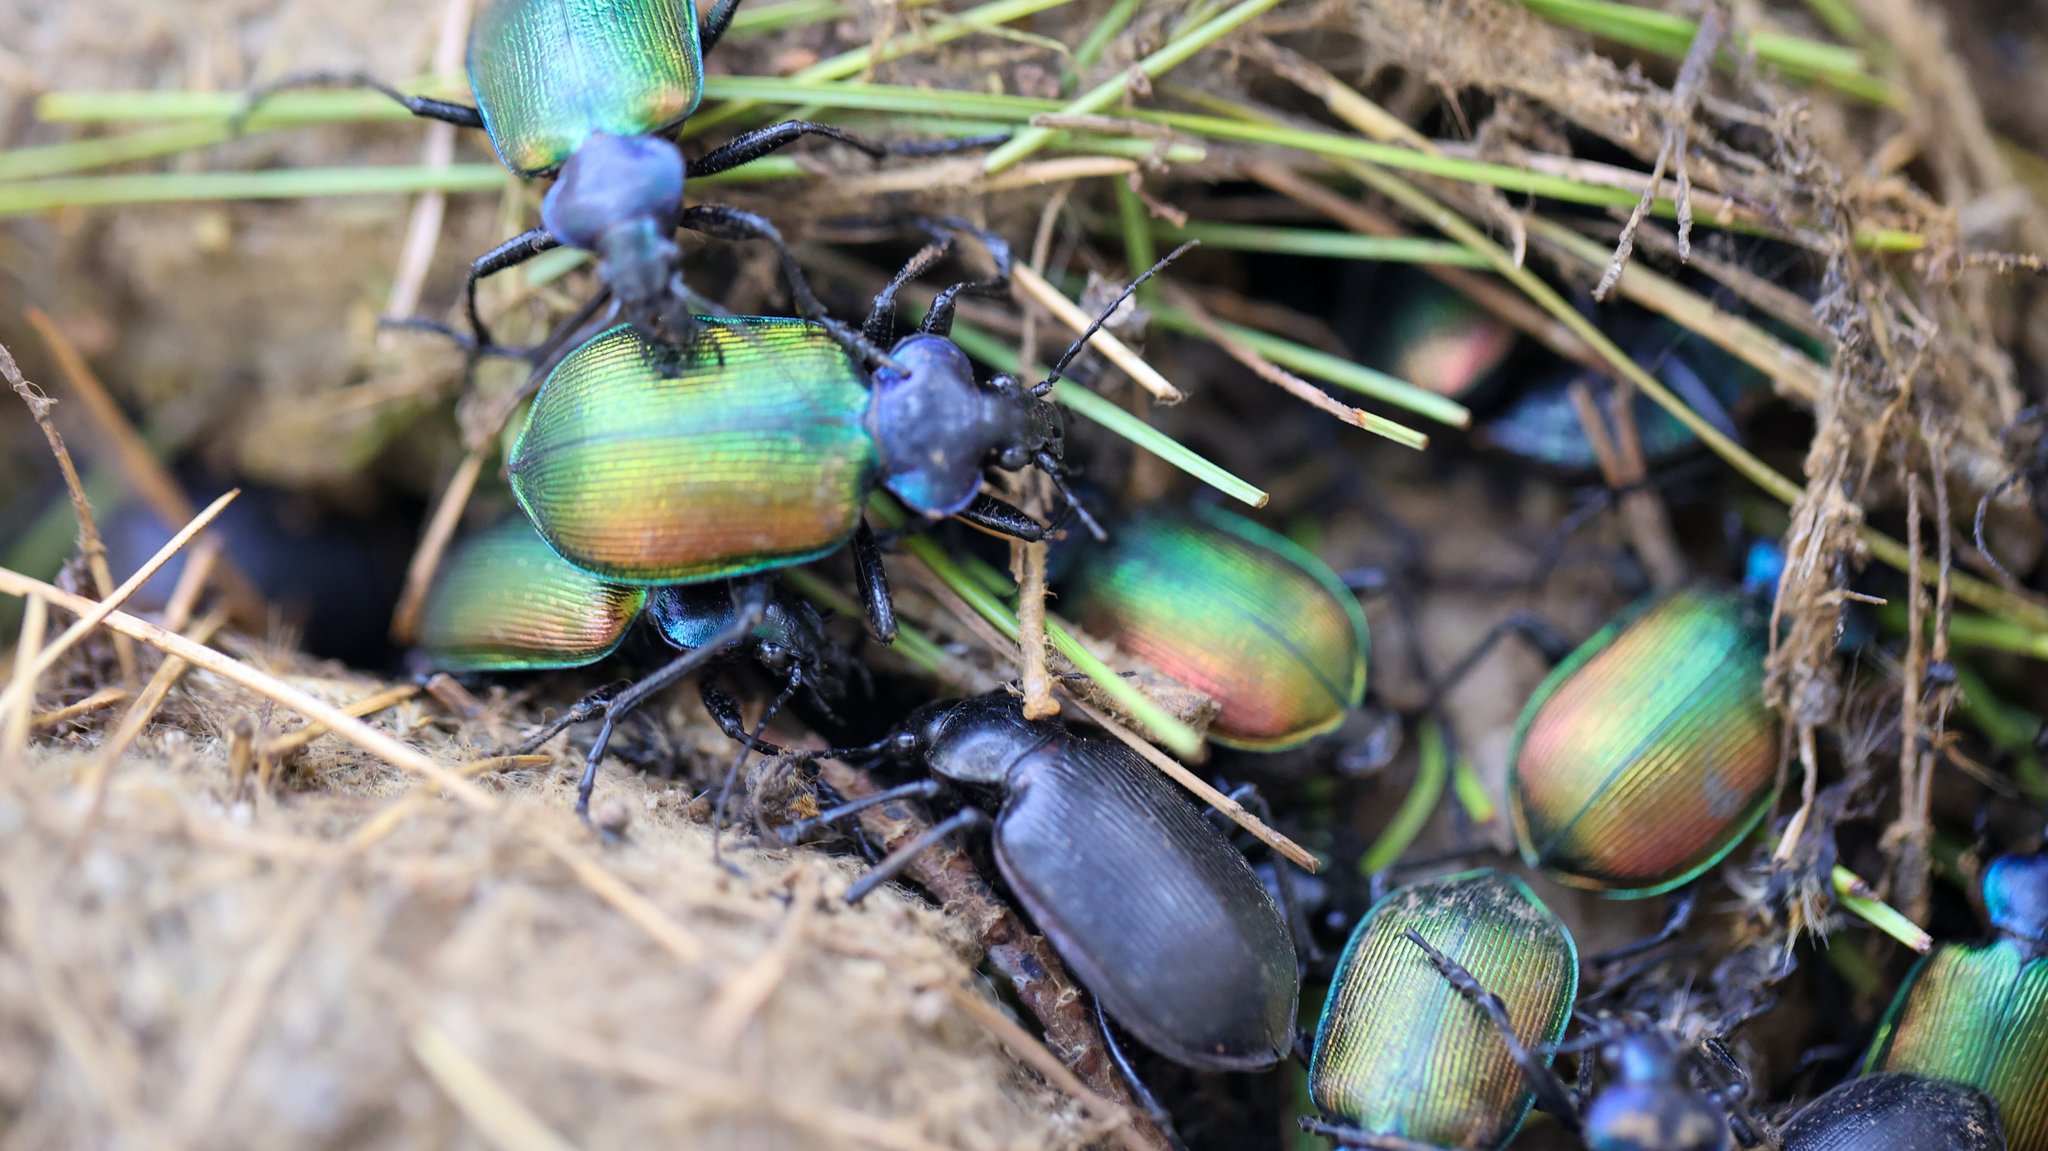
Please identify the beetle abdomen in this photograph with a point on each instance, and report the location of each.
(1401, 1052)
(1157, 914)
(1650, 752)
(742, 451)
(548, 73)
(1896, 1113)
(1237, 612)
(1977, 1015)
(503, 601)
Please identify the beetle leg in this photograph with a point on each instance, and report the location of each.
(460, 115)
(930, 837)
(1248, 796)
(743, 622)
(513, 252)
(582, 711)
(716, 22)
(939, 320)
(1002, 518)
(916, 789)
(732, 773)
(1676, 917)
(1550, 1091)
(881, 326)
(1532, 628)
(750, 146)
(1140, 1093)
(874, 583)
(728, 223)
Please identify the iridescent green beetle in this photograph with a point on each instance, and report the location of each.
(1649, 753)
(591, 89)
(1403, 1056)
(1978, 1013)
(1240, 613)
(503, 601)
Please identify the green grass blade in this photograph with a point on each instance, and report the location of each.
(1325, 243)
(1416, 807)
(1112, 418)
(1106, 94)
(1324, 366)
(1169, 732)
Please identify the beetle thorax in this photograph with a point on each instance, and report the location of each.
(980, 740)
(936, 429)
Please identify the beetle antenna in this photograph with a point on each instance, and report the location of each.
(1102, 317)
(1051, 467)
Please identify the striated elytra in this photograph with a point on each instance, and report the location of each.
(754, 446)
(1896, 1113)
(1401, 1053)
(1977, 1014)
(1649, 753)
(504, 601)
(547, 74)
(1240, 613)
(1153, 909)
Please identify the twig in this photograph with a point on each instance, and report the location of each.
(602, 883)
(1292, 851)
(1027, 559)
(104, 608)
(284, 745)
(137, 462)
(89, 542)
(748, 992)
(236, 1020)
(423, 228)
(1115, 350)
(15, 723)
(104, 698)
(1025, 1046)
(1503, 302)
(497, 1114)
(101, 773)
(1290, 383)
(1685, 93)
(433, 546)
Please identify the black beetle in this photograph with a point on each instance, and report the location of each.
(1895, 1112)
(1153, 909)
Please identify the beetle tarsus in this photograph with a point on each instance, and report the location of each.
(930, 837)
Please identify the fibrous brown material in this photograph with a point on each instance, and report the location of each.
(346, 962)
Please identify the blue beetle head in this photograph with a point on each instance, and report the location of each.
(937, 429)
(621, 197)
(2016, 896)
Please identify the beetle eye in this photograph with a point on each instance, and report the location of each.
(1013, 458)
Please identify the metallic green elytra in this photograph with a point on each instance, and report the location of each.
(548, 73)
(742, 450)
(1978, 1013)
(1401, 1052)
(1649, 753)
(1240, 613)
(504, 601)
